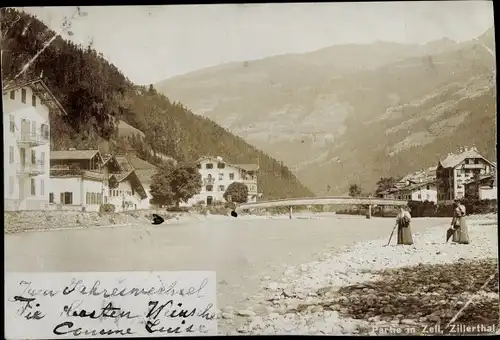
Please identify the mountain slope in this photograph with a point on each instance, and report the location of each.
(320, 104)
(95, 94)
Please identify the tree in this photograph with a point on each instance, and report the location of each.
(185, 182)
(160, 186)
(354, 190)
(385, 183)
(238, 192)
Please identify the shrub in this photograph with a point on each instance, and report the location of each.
(107, 208)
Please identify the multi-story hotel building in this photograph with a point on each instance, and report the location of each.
(26, 121)
(455, 170)
(217, 175)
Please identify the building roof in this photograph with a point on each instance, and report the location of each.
(140, 164)
(133, 178)
(246, 167)
(145, 176)
(481, 178)
(73, 154)
(41, 90)
(452, 160)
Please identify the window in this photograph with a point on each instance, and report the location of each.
(93, 199)
(221, 165)
(33, 157)
(12, 124)
(51, 197)
(221, 188)
(428, 187)
(12, 95)
(44, 129)
(476, 161)
(419, 196)
(33, 128)
(42, 158)
(133, 191)
(42, 187)
(11, 185)
(33, 187)
(23, 95)
(209, 166)
(209, 187)
(11, 154)
(33, 100)
(231, 176)
(87, 198)
(221, 176)
(66, 198)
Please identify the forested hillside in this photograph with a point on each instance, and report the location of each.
(92, 91)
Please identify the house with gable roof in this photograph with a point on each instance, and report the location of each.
(454, 171)
(217, 174)
(27, 106)
(85, 179)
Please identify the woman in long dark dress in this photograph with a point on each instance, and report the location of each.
(403, 221)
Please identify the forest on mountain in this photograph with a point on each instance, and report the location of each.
(96, 94)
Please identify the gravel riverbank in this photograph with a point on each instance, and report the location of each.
(370, 285)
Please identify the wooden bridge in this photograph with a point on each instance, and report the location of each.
(339, 200)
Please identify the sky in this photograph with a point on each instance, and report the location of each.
(152, 43)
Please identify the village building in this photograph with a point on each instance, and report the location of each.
(417, 186)
(217, 175)
(144, 172)
(457, 169)
(482, 187)
(85, 179)
(27, 107)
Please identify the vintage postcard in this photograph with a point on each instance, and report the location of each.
(292, 168)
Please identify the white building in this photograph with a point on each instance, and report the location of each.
(126, 192)
(144, 171)
(85, 179)
(26, 123)
(456, 170)
(482, 187)
(217, 175)
(417, 186)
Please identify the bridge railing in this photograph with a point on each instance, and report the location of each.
(330, 200)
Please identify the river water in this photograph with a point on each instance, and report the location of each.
(243, 251)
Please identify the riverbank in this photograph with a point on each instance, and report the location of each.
(345, 293)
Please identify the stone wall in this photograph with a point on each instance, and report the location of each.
(19, 221)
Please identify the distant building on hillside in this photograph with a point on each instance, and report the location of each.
(218, 174)
(457, 169)
(26, 127)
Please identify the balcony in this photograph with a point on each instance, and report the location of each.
(208, 181)
(251, 185)
(474, 166)
(32, 139)
(31, 169)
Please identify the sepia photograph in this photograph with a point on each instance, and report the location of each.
(272, 169)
